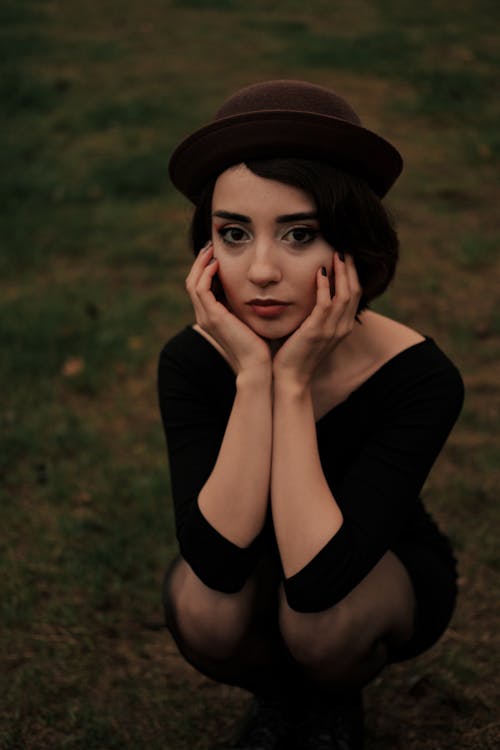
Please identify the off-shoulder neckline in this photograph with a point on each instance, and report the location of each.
(384, 367)
(379, 372)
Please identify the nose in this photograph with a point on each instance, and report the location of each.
(264, 268)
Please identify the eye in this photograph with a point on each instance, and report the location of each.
(233, 235)
(300, 235)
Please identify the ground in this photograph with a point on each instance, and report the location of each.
(94, 97)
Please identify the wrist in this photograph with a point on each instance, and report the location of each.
(290, 379)
(291, 387)
(256, 377)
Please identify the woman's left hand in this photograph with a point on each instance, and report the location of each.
(331, 320)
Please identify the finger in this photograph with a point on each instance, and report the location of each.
(192, 281)
(206, 278)
(199, 265)
(338, 321)
(202, 258)
(206, 299)
(322, 308)
(206, 246)
(354, 286)
(342, 295)
(323, 295)
(350, 295)
(323, 298)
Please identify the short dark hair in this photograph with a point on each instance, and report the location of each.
(352, 218)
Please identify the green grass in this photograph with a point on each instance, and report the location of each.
(477, 252)
(92, 267)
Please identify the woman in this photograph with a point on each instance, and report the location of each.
(300, 425)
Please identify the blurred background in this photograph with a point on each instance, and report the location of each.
(94, 253)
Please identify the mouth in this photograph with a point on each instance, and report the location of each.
(268, 308)
(267, 302)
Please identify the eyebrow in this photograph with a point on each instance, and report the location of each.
(303, 215)
(284, 219)
(233, 217)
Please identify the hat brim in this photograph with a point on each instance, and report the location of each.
(268, 134)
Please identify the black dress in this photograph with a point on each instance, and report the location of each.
(376, 448)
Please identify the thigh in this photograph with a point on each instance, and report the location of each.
(187, 598)
(384, 602)
(434, 580)
(168, 594)
(379, 610)
(231, 638)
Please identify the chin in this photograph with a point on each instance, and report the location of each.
(272, 329)
(273, 332)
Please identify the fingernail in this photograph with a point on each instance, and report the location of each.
(341, 256)
(212, 260)
(206, 246)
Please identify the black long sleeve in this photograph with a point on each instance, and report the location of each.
(196, 391)
(376, 450)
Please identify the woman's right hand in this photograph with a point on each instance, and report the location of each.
(243, 349)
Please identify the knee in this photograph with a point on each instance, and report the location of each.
(320, 638)
(205, 624)
(207, 631)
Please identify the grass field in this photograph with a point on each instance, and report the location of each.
(93, 258)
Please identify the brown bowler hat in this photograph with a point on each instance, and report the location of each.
(277, 119)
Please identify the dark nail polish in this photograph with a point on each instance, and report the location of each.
(341, 256)
(323, 270)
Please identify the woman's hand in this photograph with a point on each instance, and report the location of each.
(328, 323)
(243, 349)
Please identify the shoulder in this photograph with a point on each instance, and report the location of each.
(188, 359)
(189, 349)
(427, 364)
(421, 380)
(180, 344)
(410, 366)
(402, 357)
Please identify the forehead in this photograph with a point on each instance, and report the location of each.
(240, 190)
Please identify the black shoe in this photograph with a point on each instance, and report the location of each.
(267, 726)
(334, 725)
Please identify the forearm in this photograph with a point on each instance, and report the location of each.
(234, 498)
(305, 514)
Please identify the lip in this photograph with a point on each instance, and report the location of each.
(268, 308)
(266, 302)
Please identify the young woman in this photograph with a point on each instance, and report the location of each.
(300, 425)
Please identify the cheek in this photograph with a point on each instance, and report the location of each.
(307, 294)
(228, 280)
(223, 273)
(310, 291)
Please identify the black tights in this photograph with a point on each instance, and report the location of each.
(253, 639)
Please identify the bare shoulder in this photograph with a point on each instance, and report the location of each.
(388, 336)
(370, 345)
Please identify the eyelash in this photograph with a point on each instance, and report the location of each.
(310, 231)
(224, 231)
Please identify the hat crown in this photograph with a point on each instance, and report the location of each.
(298, 96)
(284, 119)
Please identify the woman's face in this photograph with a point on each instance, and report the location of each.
(267, 239)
